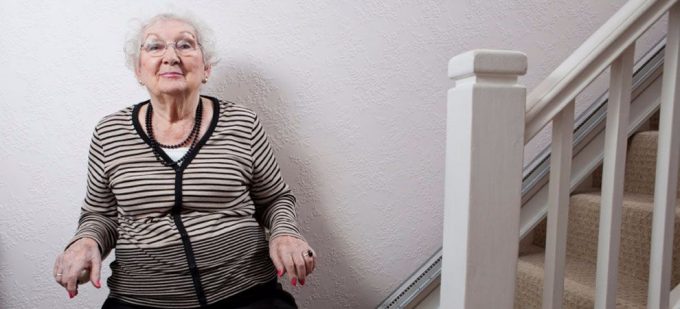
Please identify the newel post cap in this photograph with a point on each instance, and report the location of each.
(488, 62)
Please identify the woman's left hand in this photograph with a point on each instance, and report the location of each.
(293, 256)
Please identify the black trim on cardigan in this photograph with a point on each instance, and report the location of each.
(177, 207)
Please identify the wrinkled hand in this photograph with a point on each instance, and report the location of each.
(80, 263)
(293, 256)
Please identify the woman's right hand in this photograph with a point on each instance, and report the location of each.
(78, 260)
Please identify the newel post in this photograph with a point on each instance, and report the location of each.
(484, 149)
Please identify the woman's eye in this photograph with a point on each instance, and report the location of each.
(153, 46)
(185, 45)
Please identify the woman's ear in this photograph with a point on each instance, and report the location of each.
(138, 75)
(208, 70)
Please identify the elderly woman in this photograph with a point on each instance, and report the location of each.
(184, 187)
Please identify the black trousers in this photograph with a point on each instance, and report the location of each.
(268, 295)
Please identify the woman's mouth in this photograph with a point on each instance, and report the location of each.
(172, 74)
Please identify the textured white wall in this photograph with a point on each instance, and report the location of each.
(352, 93)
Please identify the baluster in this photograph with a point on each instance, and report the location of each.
(484, 145)
(666, 183)
(611, 202)
(558, 207)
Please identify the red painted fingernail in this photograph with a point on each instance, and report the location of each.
(302, 281)
(70, 294)
(279, 273)
(98, 284)
(293, 281)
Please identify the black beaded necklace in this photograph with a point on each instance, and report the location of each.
(193, 136)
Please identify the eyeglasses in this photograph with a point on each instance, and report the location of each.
(157, 48)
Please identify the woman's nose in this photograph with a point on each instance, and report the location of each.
(170, 56)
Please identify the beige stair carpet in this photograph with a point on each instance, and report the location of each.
(582, 236)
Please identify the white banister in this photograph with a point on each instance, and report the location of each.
(589, 60)
(618, 107)
(485, 118)
(558, 207)
(489, 114)
(665, 191)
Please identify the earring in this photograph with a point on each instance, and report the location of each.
(140, 83)
(205, 80)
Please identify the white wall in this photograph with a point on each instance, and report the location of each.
(351, 92)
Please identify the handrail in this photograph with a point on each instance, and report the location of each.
(590, 60)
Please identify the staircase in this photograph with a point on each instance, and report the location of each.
(607, 249)
(636, 226)
(613, 245)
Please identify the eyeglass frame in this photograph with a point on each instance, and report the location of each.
(174, 45)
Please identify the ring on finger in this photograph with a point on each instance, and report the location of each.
(308, 253)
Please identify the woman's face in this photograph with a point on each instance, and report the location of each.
(179, 69)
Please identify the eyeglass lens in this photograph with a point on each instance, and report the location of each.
(157, 47)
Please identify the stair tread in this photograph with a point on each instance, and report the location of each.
(636, 223)
(579, 285)
(583, 231)
(630, 199)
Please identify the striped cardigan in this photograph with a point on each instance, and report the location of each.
(190, 235)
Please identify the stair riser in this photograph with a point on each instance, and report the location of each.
(635, 240)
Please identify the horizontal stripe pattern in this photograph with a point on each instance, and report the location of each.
(232, 190)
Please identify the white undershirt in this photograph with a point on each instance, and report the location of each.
(175, 153)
